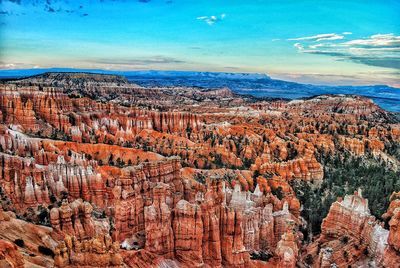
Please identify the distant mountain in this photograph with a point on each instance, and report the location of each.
(144, 73)
(259, 85)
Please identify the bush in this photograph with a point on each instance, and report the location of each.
(19, 242)
(46, 251)
(262, 256)
(199, 177)
(344, 239)
(278, 192)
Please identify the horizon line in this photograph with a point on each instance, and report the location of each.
(114, 71)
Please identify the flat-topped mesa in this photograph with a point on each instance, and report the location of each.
(72, 79)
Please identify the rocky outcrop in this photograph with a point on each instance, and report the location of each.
(392, 252)
(73, 219)
(287, 250)
(96, 252)
(349, 234)
(188, 233)
(158, 217)
(10, 256)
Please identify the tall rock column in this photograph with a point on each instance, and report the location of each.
(267, 236)
(234, 253)
(287, 250)
(188, 230)
(159, 234)
(392, 252)
(211, 233)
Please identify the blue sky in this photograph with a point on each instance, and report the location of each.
(322, 42)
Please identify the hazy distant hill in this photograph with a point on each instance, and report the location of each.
(260, 85)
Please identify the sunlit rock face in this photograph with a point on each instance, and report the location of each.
(9, 255)
(349, 235)
(392, 252)
(98, 172)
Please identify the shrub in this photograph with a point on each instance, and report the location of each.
(19, 242)
(46, 251)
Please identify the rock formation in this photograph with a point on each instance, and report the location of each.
(98, 172)
(349, 235)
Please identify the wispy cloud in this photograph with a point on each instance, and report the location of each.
(359, 78)
(381, 50)
(140, 61)
(211, 20)
(298, 46)
(319, 37)
(16, 65)
(377, 40)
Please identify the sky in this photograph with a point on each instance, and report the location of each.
(347, 42)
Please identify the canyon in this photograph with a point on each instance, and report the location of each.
(100, 172)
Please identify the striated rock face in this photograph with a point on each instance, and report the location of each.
(188, 233)
(287, 250)
(211, 242)
(73, 219)
(232, 247)
(158, 217)
(392, 252)
(349, 235)
(96, 252)
(10, 256)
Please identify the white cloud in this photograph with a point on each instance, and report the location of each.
(377, 40)
(336, 37)
(347, 33)
(211, 20)
(382, 50)
(319, 37)
(316, 46)
(298, 46)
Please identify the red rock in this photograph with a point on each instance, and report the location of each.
(347, 233)
(392, 252)
(158, 217)
(188, 233)
(287, 250)
(119, 161)
(10, 256)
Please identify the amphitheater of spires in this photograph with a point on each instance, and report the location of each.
(98, 172)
